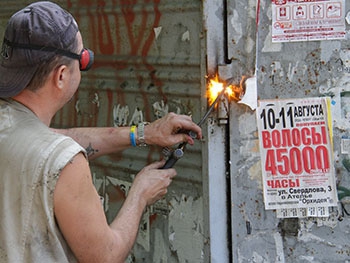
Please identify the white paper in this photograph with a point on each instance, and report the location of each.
(306, 20)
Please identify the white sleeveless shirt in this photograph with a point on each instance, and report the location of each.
(31, 158)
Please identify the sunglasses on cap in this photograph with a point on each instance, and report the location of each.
(86, 56)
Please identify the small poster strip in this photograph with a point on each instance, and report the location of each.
(306, 20)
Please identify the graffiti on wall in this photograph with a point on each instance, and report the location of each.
(132, 76)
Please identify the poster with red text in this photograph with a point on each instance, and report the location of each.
(306, 20)
(296, 153)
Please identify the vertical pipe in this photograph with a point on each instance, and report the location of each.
(225, 15)
(228, 192)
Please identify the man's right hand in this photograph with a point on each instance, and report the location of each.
(151, 183)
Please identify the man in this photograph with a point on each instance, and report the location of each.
(50, 210)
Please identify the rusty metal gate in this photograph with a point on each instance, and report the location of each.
(148, 62)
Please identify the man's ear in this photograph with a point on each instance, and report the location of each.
(60, 76)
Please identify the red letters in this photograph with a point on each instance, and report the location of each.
(284, 183)
(293, 137)
(297, 150)
(308, 159)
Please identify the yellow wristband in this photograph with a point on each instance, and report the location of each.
(132, 135)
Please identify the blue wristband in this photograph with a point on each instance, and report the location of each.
(132, 136)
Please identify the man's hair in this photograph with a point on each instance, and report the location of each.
(46, 67)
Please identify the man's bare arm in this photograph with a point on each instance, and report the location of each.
(166, 131)
(99, 141)
(81, 218)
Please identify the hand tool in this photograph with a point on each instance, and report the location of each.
(178, 153)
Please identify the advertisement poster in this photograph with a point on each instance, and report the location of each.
(296, 153)
(306, 20)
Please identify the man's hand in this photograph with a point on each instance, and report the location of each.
(171, 129)
(151, 182)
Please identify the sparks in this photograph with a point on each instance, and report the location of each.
(232, 92)
(215, 87)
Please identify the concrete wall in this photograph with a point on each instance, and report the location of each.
(286, 70)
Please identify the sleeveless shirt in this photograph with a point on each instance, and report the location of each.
(31, 158)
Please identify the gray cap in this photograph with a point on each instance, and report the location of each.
(41, 24)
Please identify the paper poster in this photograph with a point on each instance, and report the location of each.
(306, 20)
(296, 153)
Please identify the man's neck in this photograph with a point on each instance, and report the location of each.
(34, 101)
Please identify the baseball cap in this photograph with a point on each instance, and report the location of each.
(41, 24)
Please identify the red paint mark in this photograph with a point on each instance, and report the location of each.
(136, 45)
(150, 39)
(156, 81)
(152, 218)
(104, 30)
(110, 120)
(107, 33)
(118, 37)
(69, 4)
(129, 17)
(257, 13)
(116, 195)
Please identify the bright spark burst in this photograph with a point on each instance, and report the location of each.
(232, 91)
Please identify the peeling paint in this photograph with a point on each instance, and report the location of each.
(257, 258)
(297, 68)
(307, 258)
(120, 115)
(160, 109)
(344, 56)
(269, 46)
(250, 45)
(185, 36)
(96, 100)
(237, 26)
(327, 49)
(279, 247)
(159, 242)
(157, 31)
(276, 69)
(137, 117)
(254, 173)
(250, 149)
(347, 18)
(309, 237)
(185, 229)
(249, 126)
(339, 89)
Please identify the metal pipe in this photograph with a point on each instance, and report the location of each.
(225, 28)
